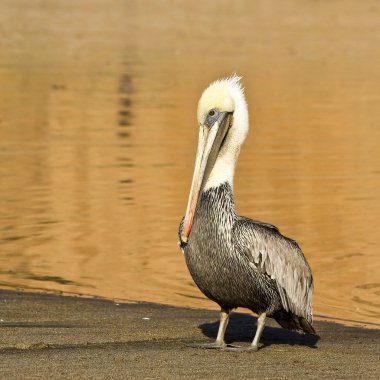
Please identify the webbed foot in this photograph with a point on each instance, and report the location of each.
(241, 349)
(215, 345)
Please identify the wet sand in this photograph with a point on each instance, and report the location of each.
(60, 337)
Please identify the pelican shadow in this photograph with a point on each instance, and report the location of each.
(242, 327)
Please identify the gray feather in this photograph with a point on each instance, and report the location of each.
(281, 259)
(238, 262)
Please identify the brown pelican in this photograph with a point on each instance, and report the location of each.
(236, 261)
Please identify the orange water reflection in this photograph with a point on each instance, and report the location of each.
(98, 136)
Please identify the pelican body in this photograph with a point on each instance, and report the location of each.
(236, 261)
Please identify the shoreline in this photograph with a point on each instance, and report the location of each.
(77, 337)
(61, 293)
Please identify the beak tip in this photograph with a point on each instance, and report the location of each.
(183, 242)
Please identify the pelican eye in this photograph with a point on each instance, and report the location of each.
(212, 117)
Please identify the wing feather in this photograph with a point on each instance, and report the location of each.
(280, 258)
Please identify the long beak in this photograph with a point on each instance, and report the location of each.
(210, 141)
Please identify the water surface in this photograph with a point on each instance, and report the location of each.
(98, 136)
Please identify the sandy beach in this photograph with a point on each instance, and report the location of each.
(61, 337)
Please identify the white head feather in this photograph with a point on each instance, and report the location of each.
(226, 95)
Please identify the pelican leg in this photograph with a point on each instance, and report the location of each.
(219, 343)
(260, 327)
(255, 343)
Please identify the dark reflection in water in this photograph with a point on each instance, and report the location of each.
(13, 238)
(125, 90)
(98, 135)
(56, 279)
(369, 286)
(125, 121)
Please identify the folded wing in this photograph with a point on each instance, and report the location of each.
(280, 258)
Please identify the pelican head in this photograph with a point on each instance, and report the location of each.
(223, 125)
